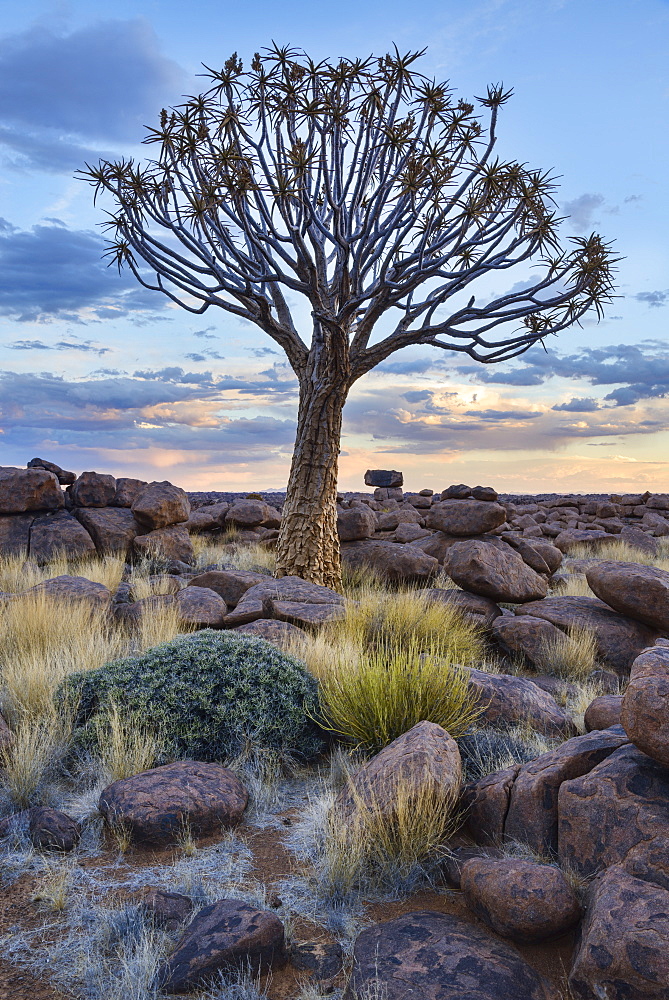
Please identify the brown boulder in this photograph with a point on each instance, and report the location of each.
(391, 520)
(53, 535)
(640, 540)
(508, 701)
(518, 899)
(532, 816)
(394, 563)
(355, 523)
(603, 712)
(436, 544)
(229, 584)
(281, 634)
(113, 529)
(253, 603)
(407, 532)
(227, 935)
(437, 956)
(249, 514)
(640, 592)
(426, 759)
(645, 706)
(15, 534)
(168, 544)
(604, 814)
(622, 952)
(160, 505)
(73, 588)
(63, 477)
(155, 806)
(619, 640)
(550, 554)
(528, 635)
(93, 489)
(573, 537)
(303, 615)
(649, 861)
(528, 553)
(207, 518)
(29, 489)
(485, 803)
(167, 909)
(51, 830)
(201, 607)
(498, 573)
(458, 857)
(127, 491)
(132, 613)
(465, 517)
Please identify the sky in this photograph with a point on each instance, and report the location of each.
(98, 373)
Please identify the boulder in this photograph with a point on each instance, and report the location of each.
(388, 478)
(644, 711)
(407, 532)
(73, 588)
(229, 584)
(437, 956)
(113, 529)
(458, 857)
(465, 517)
(392, 519)
(132, 613)
(51, 830)
(435, 544)
(29, 489)
(640, 592)
(532, 637)
(209, 518)
(166, 909)
(161, 505)
(168, 544)
(355, 523)
(394, 563)
(522, 900)
(485, 803)
(640, 540)
(127, 491)
(227, 935)
(201, 607)
(604, 814)
(456, 492)
(425, 759)
(302, 614)
(324, 959)
(532, 816)
(281, 634)
(619, 640)
(494, 572)
(92, 489)
(528, 553)
(509, 701)
(573, 537)
(476, 609)
(603, 712)
(155, 806)
(484, 493)
(15, 534)
(54, 535)
(63, 477)
(248, 514)
(622, 951)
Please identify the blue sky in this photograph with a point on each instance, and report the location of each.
(98, 373)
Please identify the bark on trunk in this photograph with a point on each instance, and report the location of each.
(308, 543)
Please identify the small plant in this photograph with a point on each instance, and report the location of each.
(207, 694)
(388, 690)
(53, 889)
(121, 834)
(571, 654)
(127, 745)
(185, 841)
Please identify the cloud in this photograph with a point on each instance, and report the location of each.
(61, 92)
(88, 346)
(51, 272)
(503, 414)
(574, 405)
(417, 396)
(206, 334)
(205, 355)
(581, 209)
(262, 352)
(653, 299)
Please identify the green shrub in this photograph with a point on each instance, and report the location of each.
(209, 695)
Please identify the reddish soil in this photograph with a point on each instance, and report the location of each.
(272, 862)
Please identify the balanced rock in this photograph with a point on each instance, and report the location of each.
(522, 900)
(29, 489)
(622, 951)
(644, 710)
(437, 956)
(640, 592)
(498, 573)
(388, 478)
(250, 514)
(227, 935)
(160, 505)
(155, 806)
(465, 517)
(63, 477)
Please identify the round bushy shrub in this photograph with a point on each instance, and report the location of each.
(210, 696)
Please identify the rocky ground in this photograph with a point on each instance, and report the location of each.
(553, 882)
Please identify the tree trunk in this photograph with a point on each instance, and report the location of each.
(308, 543)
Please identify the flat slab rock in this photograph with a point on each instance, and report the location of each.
(304, 615)
(156, 805)
(278, 633)
(227, 935)
(436, 956)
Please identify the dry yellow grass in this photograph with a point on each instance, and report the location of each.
(618, 550)
(224, 550)
(28, 760)
(575, 586)
(127, 744)
(571, 654)
(17, 573)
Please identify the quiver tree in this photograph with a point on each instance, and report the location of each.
(368, 191)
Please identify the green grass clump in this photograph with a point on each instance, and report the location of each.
(209, 695)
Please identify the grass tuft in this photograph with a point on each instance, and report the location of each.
(571, 654)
